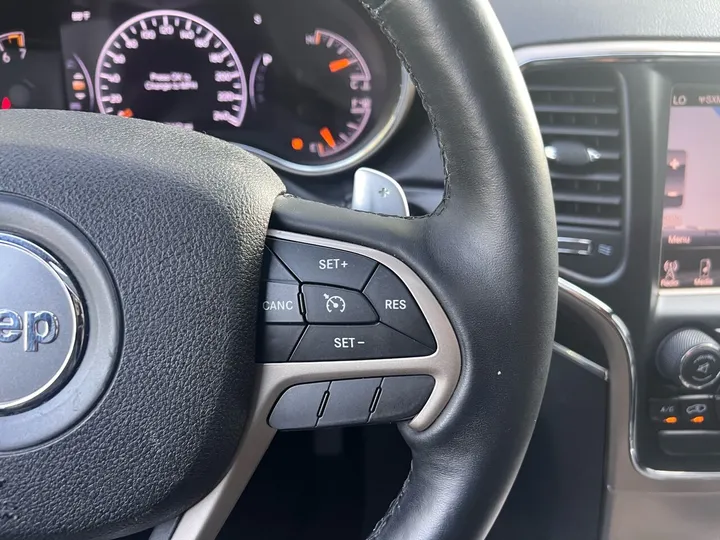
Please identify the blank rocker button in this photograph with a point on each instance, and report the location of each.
(690, 443)
(273, 269)
(298, 407)
(401, 398)
(349, 402)
(277, 342)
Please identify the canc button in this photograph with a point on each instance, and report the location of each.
(280, 303)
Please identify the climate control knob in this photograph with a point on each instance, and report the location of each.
(690, 358)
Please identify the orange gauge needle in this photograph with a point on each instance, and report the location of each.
(327, 137)
(337, 65)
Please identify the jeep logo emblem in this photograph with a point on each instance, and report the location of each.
(39, 328)
(41, 324)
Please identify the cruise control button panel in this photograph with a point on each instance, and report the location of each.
(324, 304)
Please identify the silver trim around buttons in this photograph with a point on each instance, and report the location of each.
(205, 519)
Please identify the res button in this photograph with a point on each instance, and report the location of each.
(315, 264)
(397, 307)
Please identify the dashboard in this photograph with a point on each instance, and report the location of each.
(311, 87)
(314, 89)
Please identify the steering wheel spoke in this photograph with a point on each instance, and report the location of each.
(347, 335)
(353, 329)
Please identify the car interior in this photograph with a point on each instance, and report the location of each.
(376, 269)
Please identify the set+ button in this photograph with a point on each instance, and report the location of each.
(315, 264)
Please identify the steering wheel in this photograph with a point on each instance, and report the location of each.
(131, 271)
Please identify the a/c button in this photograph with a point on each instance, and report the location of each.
(323, 343)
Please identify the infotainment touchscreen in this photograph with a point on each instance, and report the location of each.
(691, 213)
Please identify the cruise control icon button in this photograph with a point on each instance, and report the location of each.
(324, 343)
(315, 264)
(397, 307)
(330, 305)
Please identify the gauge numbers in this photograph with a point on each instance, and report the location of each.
(12, 46)
(172, 67)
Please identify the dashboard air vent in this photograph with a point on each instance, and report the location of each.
(578, 109)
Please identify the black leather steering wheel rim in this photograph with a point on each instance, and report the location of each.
(168, 424)
(498, 212)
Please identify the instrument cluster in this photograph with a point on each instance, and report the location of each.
(310, 86)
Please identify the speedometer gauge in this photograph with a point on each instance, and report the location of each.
(172, 67)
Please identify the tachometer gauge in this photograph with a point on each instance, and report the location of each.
(331, 96)
(12, 46)
(342, 64)
(16, 90)
(171, 67)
